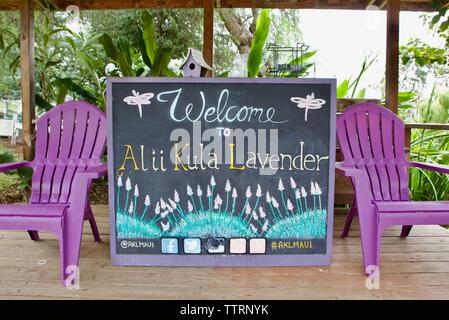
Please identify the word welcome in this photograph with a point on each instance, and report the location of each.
(219, 111)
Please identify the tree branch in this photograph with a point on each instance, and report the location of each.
(241, 36)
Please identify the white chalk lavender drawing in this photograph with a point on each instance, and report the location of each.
(308, 103)
(296, 215)
(139, 100)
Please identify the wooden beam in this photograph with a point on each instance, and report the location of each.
(208, 33)
(408, 5)
(27, 76)
(392, 59)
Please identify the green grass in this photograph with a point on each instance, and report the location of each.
(8, 180)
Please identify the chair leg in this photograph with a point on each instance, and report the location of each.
(34, 235)
(351, 214)
(373, 264)
(369, 236)
(405, 231)
(62, 257)
(72, 233)
(93, 224)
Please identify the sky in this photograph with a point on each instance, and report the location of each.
(345, 37)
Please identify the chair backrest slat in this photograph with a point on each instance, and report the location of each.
(68, 125)
(368, 157)
(371, 138)
(70, 137)
(375, 134)
(360, 159)
(399, 143)
(389, 154)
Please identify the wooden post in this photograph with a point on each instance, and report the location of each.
(408, 140)
(208, 33)
(392, 66)
(27, 76)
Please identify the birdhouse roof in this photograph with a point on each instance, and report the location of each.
(197, 57)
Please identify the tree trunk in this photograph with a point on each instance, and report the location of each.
(241, 34)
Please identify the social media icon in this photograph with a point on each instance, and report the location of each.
(169, 245)
(238, 246)
(192, 245)
(257, 245)
(216, 245)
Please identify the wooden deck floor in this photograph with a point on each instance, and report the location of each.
(417, 267)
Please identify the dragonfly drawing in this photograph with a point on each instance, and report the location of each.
(139, 100)
(308, 103)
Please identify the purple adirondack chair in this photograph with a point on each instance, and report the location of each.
(372, 141)
(69, 144)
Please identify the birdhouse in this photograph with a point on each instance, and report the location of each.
(194, 65)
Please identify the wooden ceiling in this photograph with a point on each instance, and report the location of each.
(409, 5)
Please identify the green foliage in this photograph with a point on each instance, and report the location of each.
(405, 99)
(223, 74)
(9, 82)
(148, 39)
(348, 88)
(258, 43)
(177, 29)
(302, 61)
(422, 54)
(68, 84)
(72, 64)
(23, 174)
(161, 60)
(121, 53)
(440, 22)
(421, 61)
(435, 110)
(431, 146)
(343, 89)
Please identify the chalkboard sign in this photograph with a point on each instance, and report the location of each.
(224, 172)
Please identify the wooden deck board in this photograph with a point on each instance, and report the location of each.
(412, 268)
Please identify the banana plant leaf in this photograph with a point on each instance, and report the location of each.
(42, 103)
(298, 62)
(224, 74)
(148, 39)
(77, 89)
(161, 61)
(343, 89)
(258, 43)
(361, 94)
(121, 53)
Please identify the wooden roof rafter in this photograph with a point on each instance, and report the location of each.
(406, 5)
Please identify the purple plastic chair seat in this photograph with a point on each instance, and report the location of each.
(35, 210)
(372, 140)
(70, 141)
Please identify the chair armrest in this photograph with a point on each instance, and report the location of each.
(349, 171)
(430, 166)
(13, 166)
(81, 182)
(94, 172)
(360, 181)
